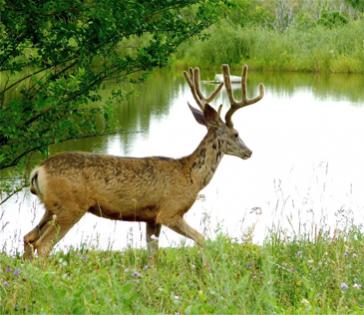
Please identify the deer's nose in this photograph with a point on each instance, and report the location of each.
(248, 154)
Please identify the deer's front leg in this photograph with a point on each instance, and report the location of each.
(153, 231)
(180, 226)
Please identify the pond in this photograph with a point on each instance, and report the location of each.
(306, 173)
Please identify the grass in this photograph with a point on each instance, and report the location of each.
(314, 49)
(300, 276)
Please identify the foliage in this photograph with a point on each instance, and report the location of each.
(325, 275)
(56, 54)
(316, 48)
(332, 19)
(249, 12)
(357, 4)
(227, 43)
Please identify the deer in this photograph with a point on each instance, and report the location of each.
(156, 190)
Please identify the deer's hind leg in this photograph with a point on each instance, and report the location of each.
(31, 237)
(64, 217)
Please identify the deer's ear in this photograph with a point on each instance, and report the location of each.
(199, 116)
(210, 114)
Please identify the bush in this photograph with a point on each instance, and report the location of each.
(332, 19)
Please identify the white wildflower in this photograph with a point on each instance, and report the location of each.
(305, 302)
(357, 286)
(154, 237)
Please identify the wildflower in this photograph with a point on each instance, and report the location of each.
(154, 237)
(5, 283)
(65, 276)
(136, 274)
(16, 272)
(343, 286)
(299, 254)
(256, 210)
(346, 254)
(357, 286)
(176, 299)
(248, 266)
(305, 302)
(7, 269)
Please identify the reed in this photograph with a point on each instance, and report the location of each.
(316, 49)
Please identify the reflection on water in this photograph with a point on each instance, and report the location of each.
(306, 170)
(140, 107)
(339, 87)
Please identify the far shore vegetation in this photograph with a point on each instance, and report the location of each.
(280, 35)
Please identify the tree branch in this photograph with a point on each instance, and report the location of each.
(16, 160)
(12, 194)
(35, 73)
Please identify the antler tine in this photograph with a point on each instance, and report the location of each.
(188, 77)
(190, 70)
(227, 81)
(244, 79)
(234, 104)
(215, 92)
(193, 80)
(245, 100)
(196, 80)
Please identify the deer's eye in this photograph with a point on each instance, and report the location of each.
(236, 135)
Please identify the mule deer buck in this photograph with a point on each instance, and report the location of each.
(155, 190)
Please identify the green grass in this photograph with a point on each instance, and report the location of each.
(314, 49)
(280, 277)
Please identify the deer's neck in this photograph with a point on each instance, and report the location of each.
(203, 162)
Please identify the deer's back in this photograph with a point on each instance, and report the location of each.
(115, 185)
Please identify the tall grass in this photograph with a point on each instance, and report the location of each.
(315, 49)
(323, 275)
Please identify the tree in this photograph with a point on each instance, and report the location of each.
(55, 54)
(249, 12)
(357, 4)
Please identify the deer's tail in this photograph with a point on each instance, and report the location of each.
(34, 185)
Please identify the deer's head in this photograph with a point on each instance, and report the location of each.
(224, 131)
